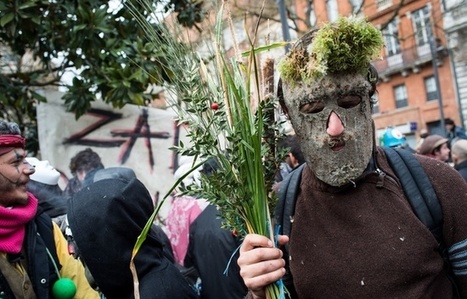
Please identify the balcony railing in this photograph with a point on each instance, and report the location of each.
(455, 16)
(409, 59)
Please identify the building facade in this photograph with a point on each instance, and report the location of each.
(417, 89)
(455, 27)
(423, 78)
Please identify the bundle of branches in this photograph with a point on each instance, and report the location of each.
(231, 120)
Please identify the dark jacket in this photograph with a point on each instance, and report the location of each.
(210, 250)
(462, 168)
(51, 198)
(40, 268)
(456, 133)
(106, 219)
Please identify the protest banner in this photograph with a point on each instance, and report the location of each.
(136, 137)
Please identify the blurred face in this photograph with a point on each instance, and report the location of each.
(332, 118)
(443, 153)
(14, 175)
(291, 161)
(454, 157)
(80, 175)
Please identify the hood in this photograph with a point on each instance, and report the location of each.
(106, 219)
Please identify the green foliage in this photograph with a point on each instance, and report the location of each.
(347, 45)
(237, 133)
(106, 47)
(292, 66)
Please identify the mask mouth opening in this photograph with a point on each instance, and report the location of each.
(336, 144)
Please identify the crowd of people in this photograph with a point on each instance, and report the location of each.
(451, 149)
(92, 226)
(354, 234)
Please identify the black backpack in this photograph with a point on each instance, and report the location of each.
(417, 188)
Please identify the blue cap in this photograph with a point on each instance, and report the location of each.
(393, 137)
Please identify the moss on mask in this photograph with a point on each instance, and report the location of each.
(347, 45)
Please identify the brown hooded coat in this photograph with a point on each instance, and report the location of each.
(366, 242)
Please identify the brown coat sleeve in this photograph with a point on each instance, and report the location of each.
(451, 190)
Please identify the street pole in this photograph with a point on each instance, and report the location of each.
(456, 85)
(284, 23)
(434, 56)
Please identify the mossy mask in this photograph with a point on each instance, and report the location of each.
(326, 85)
(338, 101)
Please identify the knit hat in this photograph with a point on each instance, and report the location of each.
(430, 143)
(45, 173)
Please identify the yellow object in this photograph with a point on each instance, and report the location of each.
(72, 268)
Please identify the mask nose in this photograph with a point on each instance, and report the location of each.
(335, 127)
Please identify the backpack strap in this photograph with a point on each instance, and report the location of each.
(287, 196)
(41, 264)
(283, 217)
(418, 189)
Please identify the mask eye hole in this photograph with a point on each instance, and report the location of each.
(349, 101)
(312, 107)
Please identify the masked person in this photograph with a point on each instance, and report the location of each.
(43, 184)
(354, 234)
(33, 251)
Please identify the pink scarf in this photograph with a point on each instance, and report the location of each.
(13, 225)
(183, 211)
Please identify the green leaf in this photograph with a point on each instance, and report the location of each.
(27, 5)
(38, 96)
(265, 48)
(7, 19)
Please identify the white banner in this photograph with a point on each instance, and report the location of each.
(134, 137)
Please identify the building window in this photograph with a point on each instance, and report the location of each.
(391, 38)
(332, 10)
(422, 26)
(430, 87)
(357, 6)
(375, 101)
(400, 94)
(383, 3)
(312, 14)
